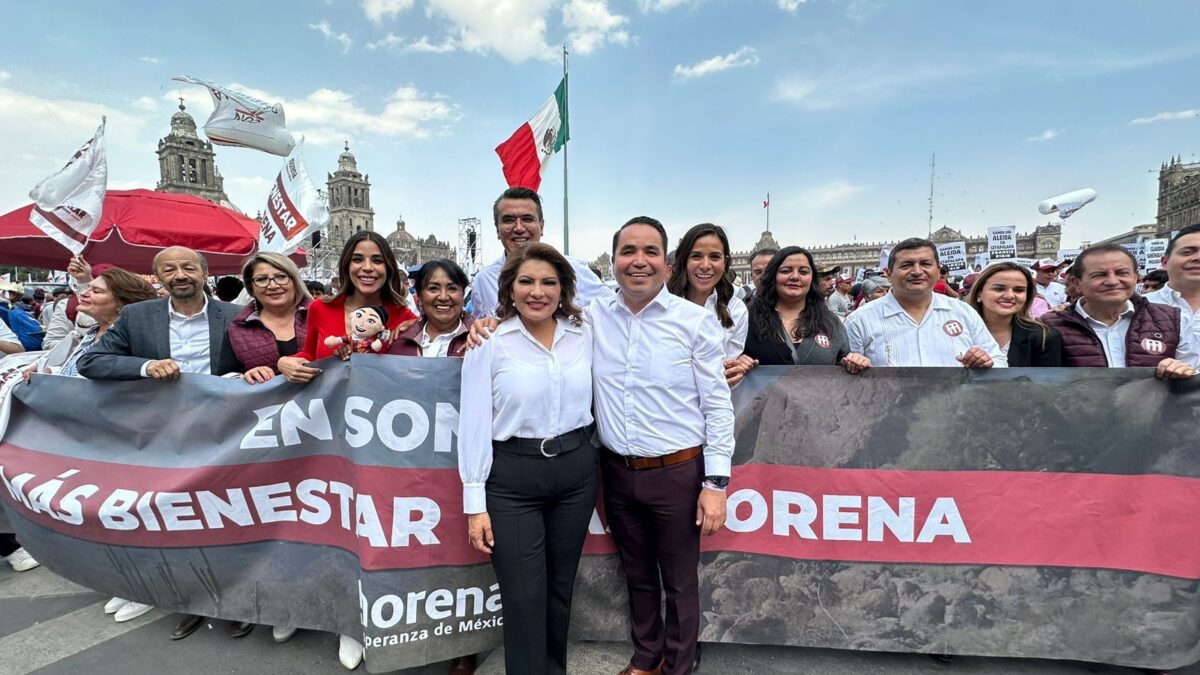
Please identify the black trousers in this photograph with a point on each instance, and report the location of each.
(8, 544)
(540, 509)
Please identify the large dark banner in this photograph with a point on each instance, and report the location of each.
(1038, 513)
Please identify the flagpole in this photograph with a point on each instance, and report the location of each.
(768, 212)
(566, 99)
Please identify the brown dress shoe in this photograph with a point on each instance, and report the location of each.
(462, 665)
(633, 670)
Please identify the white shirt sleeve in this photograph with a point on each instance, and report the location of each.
(735, 340)
(588, 287)
(708, 367)
(475, 426)
(982, 338)
(854, 331)
(6, 334)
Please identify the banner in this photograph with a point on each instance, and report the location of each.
(1002, 242)
(68, 203)
(242, 121)
(953, 256)
(295, 207)
(1068, 254)
(926, 512)
(1155, 251)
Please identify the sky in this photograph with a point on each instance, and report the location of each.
(686, 110)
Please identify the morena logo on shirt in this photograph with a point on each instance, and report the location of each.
(1153, 346)
(822, 340)
(953, 328)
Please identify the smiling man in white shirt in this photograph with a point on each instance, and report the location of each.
(517, 213)
(913, 326)
(665, 419)
(1182, 290)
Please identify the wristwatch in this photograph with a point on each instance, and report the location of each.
(716, 482)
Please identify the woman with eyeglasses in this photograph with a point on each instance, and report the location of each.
(273, 324)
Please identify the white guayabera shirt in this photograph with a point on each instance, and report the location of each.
(884, 333)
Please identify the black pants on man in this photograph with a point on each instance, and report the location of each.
(540, 509)
(652, 516)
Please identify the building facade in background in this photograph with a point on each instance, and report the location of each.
(187, 164)
(1178, 197)
(411, 250)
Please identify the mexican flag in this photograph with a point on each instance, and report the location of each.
(527, 152)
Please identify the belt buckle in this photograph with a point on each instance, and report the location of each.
(542, 447)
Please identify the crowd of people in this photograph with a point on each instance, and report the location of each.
(567, 385)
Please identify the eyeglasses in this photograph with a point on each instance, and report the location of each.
(262, 281)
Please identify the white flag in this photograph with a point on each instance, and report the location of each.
(67, 204)
(242, 121)
(294, 207)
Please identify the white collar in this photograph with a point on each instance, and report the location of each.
(1125, 313)
(892, 307)
(424, 336)
(203, 308)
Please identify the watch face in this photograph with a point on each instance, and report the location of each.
(719, 481)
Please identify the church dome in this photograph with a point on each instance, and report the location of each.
(401, 238)
(346, 161)
(182, 123)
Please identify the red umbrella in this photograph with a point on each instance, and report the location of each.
(135, 225)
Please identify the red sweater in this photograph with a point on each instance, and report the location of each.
(328, 318)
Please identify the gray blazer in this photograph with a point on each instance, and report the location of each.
(142, 333)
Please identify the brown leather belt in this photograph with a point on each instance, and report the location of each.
(640, 463)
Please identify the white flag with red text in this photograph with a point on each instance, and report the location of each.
(242, 121)
(67, 204)
(294, 207)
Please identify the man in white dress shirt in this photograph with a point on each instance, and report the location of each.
(665, 418)
(1182, 290)
(913, 326)
(517, 214)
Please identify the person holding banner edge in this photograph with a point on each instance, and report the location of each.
(526, 456)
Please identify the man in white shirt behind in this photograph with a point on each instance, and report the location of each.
(1045, 273)
(913, 326)
(1182, 290)
(517, 214)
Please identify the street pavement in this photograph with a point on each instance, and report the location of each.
(51, 626)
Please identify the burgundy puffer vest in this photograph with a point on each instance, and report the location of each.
(254, 344)
(1153, 336)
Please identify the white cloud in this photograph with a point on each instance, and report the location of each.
(152, 60)
(389, 41)
(591, 24)
(746, 56)
(146, 103)
(662, 5)
(422, 45)
(827, 196)
(4, 75)
(325, 29)
(1164, 116)
(378, 10)
(516, 30)
(789, 5)
(1047, 135)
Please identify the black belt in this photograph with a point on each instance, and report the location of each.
(545, 447)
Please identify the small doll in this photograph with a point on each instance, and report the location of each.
(368, 334)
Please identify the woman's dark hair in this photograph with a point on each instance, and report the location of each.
(562, 268)
(127, 288)
(678, 283)
(816, 317)
(452, 270)
(393, 283)
(1022, 317)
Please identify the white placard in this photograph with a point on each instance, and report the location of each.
(1002, 242)
(953, 256)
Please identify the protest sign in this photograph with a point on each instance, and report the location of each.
(1002, 242)
(1155, 250)
(295, 207)
(337, 506)
(1068, 253)
(953, 256)
(884, 252)
(981, 260)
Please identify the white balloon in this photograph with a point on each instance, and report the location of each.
(1066, 204)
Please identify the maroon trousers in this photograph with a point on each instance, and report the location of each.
(652, 516)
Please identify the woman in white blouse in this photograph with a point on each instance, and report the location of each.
(702, 273)
(526, 456)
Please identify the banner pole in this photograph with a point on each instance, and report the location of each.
(566, 99)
